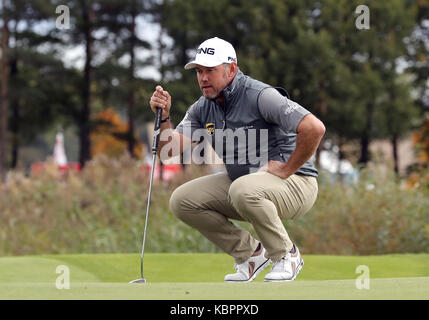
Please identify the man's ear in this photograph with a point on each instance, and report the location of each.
(233, 68)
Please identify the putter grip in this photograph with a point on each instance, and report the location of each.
(157, 130)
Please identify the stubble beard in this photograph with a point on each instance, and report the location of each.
(216, 94)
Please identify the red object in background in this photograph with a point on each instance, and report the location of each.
(70, 166)
(59, 157)
(169, 170)
(40, 166)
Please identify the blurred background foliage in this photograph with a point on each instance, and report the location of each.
(93, 79)
(364, 84)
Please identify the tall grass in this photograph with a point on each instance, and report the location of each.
(377, 215)
(102, 208)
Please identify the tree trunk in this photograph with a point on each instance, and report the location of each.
(4, 95)
(395, 153)
(366, 136)
(131, 95)
(364, 149)
(14, 127)
(84, 121)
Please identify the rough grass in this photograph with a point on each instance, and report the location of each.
(377, 215)
(102, 208)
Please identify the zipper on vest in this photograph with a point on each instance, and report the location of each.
(224, 120)
(224, 114)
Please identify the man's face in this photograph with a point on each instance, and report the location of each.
(213, 80)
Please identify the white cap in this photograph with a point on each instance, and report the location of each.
(212, 53)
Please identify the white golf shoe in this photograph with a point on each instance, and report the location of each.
(248, 270)
(287, 268)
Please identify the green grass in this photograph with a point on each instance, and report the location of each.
(200, 276)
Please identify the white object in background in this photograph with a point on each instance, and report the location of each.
(60, 157)
(329, 161)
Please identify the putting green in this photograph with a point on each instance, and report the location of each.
(200, 276)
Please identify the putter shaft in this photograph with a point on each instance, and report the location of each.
(147, 212)
(157, 130)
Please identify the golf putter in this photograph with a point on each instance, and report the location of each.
(155, 141)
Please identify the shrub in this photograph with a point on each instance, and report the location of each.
(102, 208)
(377, 215)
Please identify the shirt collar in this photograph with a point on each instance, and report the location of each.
(229, 90)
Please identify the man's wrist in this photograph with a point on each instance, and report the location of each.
(166, 119)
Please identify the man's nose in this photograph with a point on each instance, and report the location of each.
(204, 77)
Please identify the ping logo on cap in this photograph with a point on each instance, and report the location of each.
(206, 51)
(213, 52)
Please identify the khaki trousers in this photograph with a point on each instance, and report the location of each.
(263, 199)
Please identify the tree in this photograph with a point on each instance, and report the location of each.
(384, 46)
(87, 26)
(418, 53)
(39, 86)
(110, 135)
(119, 19)
(421, 140)
(370, 106)
(22, 55)
(4, 92)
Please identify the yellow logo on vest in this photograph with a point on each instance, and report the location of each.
(210, 128)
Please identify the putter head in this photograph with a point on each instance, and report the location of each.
(141, 280)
